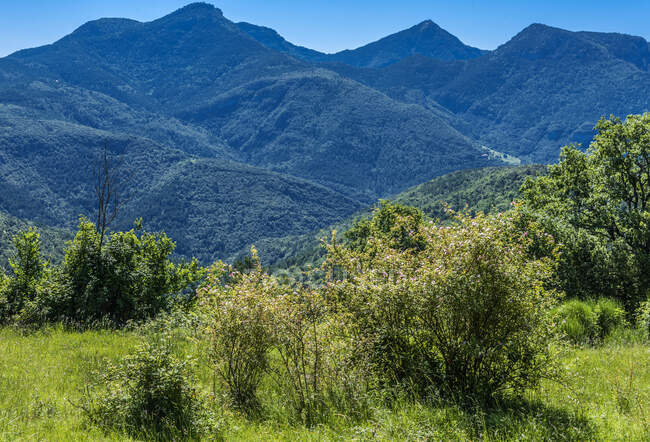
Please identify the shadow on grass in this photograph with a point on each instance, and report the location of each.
(513, 418)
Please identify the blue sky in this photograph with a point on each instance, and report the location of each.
(333, 25)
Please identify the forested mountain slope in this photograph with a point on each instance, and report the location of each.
(321, 126)
(228, 141)
(211, 206)
(213, 118)
(197, 66)
(544, 88)
(488, 189)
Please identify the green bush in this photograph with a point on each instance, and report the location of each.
(398, 225)
(149, 394)
(28, 269)
(238, 322)
(610, 316)
(591, 322)
(596, 204)
(4, 291)
(578, 321)
(465, 312)
(128, 277)
(258, 326)
(28, 296)
(643, 318)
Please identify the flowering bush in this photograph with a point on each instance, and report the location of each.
(237, 312)
(459, 310)
(257, 325)
(467, 314)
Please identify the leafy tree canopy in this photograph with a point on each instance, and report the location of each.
(598, 202)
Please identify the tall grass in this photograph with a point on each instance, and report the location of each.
(43, 373)
(605, 396)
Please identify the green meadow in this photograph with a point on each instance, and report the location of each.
(605, 396)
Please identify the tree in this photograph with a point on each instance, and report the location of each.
(398, 224)
(28, 270)
(598, 203)
(131, 277)
(109, 183)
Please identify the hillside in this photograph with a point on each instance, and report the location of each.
(321, 126)
(202, 113)
(489, 189)
(212, 209)
(485, 190)
(206, 204)
(544, 88)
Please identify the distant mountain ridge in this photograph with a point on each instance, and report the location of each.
(238, 136)
(230, 141)
(426, 38)
(544, 88)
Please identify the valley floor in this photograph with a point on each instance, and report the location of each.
(605, 397)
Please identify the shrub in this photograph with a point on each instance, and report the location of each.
(150, 391)
(259, 326)
(236, 309)
(29, 298)
(577, 321)
(302, 339)
(4, 291)
(129, 277)
(468, 312)
(398, 225)
(643, 318)
(42, 307)
(596, 204)
(610, 316)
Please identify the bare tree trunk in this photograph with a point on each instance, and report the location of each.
(108, 186)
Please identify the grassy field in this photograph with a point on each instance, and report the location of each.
(606, 396)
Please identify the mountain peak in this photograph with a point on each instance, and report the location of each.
(425, 38)
(199, 9)
(538, 41)
(426, 24)
(200, 6)
(539, 32)
(539, 27)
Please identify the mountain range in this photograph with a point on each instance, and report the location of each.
(233, 135)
